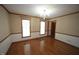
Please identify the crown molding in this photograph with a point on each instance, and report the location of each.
(5, 8)
(65, 15)
(37, 16)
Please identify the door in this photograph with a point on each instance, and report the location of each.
(53, 26)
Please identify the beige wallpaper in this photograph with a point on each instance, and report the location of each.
(15, 23)
(4, 23)
(68, 24)
(35, 24)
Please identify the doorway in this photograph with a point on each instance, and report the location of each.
(51, 28)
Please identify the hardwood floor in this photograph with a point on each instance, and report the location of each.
(42, 46)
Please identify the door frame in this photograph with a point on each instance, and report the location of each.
(49, 29)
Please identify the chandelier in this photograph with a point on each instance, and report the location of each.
(44, 14)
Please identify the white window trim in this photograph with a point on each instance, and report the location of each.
(42, 28)
(25, 35)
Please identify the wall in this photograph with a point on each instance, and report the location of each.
(68, 24)
(4, 31)
(4, 23)
(17, 37)
(67, 29)
(4, 46)
(72, 40)
(15, 24)
(35, 24)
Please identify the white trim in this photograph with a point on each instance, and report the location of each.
(17, 37)
(72, 40)
(4, 46)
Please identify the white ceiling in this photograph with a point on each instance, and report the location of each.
(32, 9)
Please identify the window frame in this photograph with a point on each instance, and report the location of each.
(40, 27)
(22, 29)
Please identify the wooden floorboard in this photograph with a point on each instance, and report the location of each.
(42, 46)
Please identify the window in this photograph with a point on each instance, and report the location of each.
(42, 27)
(25, 28)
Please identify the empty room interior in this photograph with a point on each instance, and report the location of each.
(39, 29)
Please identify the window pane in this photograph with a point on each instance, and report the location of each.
(26, 28)
(42, 27)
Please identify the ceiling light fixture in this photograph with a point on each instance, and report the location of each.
(44, 12)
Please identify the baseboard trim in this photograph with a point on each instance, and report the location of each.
(71, 40)
(67, 34)
(5, 38)
(8, 49)
(28, 39)
(67, 43)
